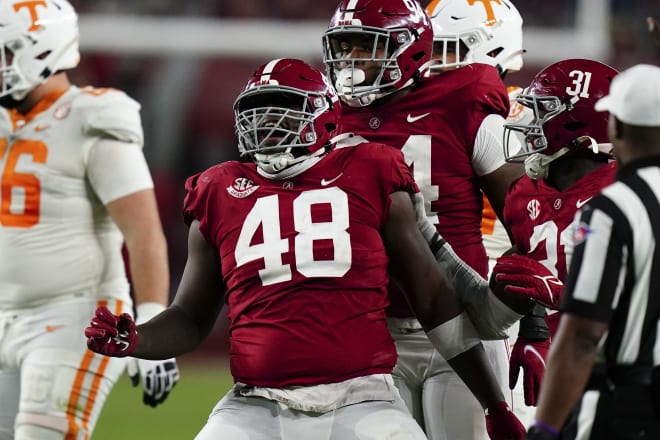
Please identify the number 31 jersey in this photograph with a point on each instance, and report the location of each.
(304, 264)
(56, 238)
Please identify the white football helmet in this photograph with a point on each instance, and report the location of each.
(490, 30)
(37, 39)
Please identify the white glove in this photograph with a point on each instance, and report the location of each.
(158, 377)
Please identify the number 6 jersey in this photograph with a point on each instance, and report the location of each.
(56, 238)
(304, 264)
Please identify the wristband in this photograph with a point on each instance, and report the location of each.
(147, 310)
(540, 426)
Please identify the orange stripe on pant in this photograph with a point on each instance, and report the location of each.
(74, 429)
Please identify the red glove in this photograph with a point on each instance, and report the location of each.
(527, 277)
(111, 335)
(530, 356)
(502, 423)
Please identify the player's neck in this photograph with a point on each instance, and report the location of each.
(59, 81)
(565, 174)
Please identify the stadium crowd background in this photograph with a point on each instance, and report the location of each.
(187, 99)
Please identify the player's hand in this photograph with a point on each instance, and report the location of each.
(528, 356)
(526, 277)
(502, 423)
(110, 334)
(157, 378)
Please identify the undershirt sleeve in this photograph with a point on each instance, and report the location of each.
(488, 151)
(116, 169)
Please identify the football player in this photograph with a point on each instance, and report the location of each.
(465, 33)
(449, 128)
(74, 186)
(298, 242)
(567, 158)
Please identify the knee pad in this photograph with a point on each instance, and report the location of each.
(38, 426)
(64, 391)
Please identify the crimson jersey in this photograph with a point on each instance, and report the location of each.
(304, 264)
(435, 126)
(541, 217)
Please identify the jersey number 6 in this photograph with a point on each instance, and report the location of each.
(17, 186)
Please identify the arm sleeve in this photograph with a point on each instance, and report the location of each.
(116, 169)
(488, 151)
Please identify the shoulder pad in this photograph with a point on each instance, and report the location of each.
(112, 114)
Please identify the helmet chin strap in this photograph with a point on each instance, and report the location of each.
(349, 78)
(345, 84)
(536, 165)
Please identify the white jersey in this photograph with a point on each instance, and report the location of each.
(496, 240)
(56, 238)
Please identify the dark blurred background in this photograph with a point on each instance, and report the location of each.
(186, 62)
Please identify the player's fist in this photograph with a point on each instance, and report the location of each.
(502, 423)
(528, 356)
(110, 334)
(526, 277)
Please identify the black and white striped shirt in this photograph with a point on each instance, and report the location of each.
(614, 276)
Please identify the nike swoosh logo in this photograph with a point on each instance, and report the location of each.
(580, 203)
(328, 182)
(412, 118)
(532, 350)
(52, 328)
(39, 128)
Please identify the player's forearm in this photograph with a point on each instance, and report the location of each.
(569, 364)
(474, 369)
(169, 334)
(149, 267)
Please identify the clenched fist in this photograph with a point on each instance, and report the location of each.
(110, 334)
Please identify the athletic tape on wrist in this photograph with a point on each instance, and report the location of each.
(147, 310)
(454, 337)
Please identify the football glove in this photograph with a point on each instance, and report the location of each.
(157, 377)
(110, 334)
(502, 423)
(530, 357)
(527, 277)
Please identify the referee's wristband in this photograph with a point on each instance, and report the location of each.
(541, 431)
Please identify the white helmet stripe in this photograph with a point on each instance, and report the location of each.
(268, 69)
(348, 16)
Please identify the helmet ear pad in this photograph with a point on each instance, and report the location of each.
(41, 40)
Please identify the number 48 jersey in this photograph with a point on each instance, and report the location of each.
(304, 264)
(541, 217)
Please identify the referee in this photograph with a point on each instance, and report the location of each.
(602, 379)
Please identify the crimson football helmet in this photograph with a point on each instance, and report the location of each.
(491, 33)
(37, 39)
(562, 98)
(287, 112)
(396, 34)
